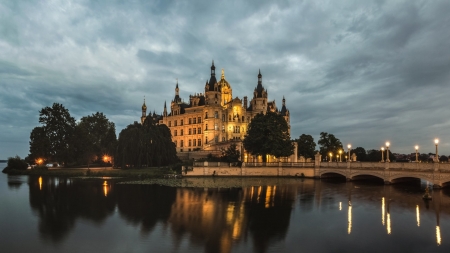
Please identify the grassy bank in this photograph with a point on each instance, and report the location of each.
(128, 173)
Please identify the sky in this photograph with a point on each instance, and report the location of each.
(366, 71)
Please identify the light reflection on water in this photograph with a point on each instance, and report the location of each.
(279, 216)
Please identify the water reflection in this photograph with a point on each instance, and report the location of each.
(219, 219)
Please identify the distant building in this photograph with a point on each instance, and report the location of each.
(212, 120)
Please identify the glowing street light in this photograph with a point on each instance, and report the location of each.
(340, 155)
(331, 157)
(417, 153)
(436, 157)
(387, 151)
(349, 157)
(382, 153)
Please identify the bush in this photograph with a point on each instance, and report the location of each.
(15, 163)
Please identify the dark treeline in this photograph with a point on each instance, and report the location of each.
(146, 145)
(60, 139)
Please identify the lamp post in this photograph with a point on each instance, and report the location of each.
(331, 157)
(436, 158)
(417, 154)
(345, 158)
(349, 157)
(387, 152)
(382, 153)
(340, 155)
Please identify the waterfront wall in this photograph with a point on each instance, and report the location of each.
(261, 169)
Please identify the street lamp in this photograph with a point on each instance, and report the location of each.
(340, 155)
(387, 151)
(417, 154)
(436, 158)
(382, 153)
(331, 157)
(349, 157)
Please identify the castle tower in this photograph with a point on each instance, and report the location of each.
(259, 101)
(144, 112)
(165, 110)
(225, 90)
(285, 113)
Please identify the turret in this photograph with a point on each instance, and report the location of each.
(144, 112)
(165, 110)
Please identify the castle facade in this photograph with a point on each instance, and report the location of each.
(214, 119)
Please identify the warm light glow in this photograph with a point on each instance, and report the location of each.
(349, 146)
(383, 212)
(417, 147)
(105, 158)
(40, 183)
(388, 227)
(268, 196)
(382, 148)
(340, 151)
(436, 141)
(105, 188)
(388, 144)
(438, 235)
(340, 206)
(39, 161)
(418, 215)
(349, 229)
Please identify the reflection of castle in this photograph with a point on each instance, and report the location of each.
(213, 119)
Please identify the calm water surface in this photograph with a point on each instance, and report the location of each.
(73, 215)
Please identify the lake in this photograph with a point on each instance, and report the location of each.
(51, 214)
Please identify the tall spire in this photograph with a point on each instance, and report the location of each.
(213, 80)
(165, 110)
(177, 94)
(223, 74)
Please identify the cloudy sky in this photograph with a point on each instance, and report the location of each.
(365, 71)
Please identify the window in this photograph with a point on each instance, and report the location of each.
(229, 117)
(195, 119)
(223, 128)
(190, 121)
(216, 127)
(216, 114)
(194, 142)
(206, 115)
(174, 132)
(216, 139)
(223, 117)
(223, 138)
(199, 130)
(243, 118)
(190, 131)
(170, 123)
(190, 143)
(181, 143)
(199, 142)
(206, 140)
(181, 122)
(206, 127)
(199, 120)
(195, 130)
(181, 132)
(175, 123)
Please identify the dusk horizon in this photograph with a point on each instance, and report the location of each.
(366, 72)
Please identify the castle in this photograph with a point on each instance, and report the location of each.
(214, 119)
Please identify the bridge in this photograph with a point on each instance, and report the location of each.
(437, 174)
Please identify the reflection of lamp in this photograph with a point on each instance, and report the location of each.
(418, 215)
(438, 235)
(417, 154)
(349, 229)
(387, 151)
(349, 157)
(436, 158)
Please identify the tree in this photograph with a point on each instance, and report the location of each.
(268, 134)
(231, 154)
(39, 145)
(58, 127)
(15, 163)
(360, 153)
(329, 144)
(306, 146)
(149, 144)
(99, 135)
